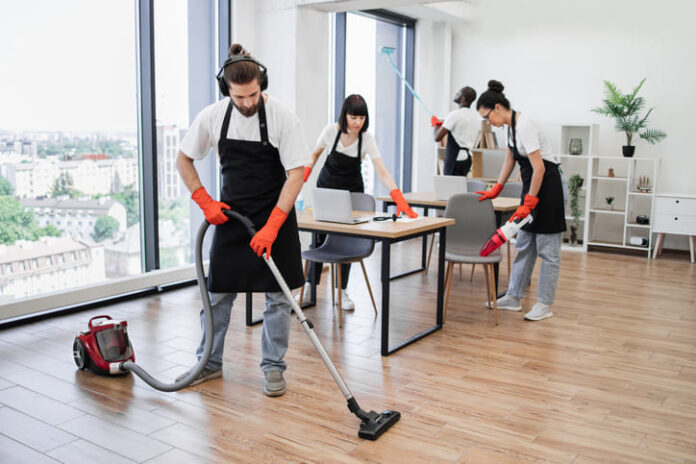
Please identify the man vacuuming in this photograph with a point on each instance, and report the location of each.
(262, 154)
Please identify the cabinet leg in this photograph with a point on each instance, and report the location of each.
(658, 244)
(692, 245)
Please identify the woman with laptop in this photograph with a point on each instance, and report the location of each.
(543, 199)
(349, 142)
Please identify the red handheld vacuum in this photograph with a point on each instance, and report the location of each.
(503, 234)
(102, 346)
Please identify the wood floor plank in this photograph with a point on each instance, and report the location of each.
(38, 406)
(81, 452)
(32, 432)
(12, 451)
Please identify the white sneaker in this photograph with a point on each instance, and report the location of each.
(539, 311)
(306, 294)
(346, 303)
(508, 303)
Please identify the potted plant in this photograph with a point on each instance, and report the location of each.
(626, 110)
(574, 185)
(609, 202)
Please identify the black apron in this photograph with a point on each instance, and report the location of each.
(252, 178)
(549, 214)
(452, 166)
(342, 172)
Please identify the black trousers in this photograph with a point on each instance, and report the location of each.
(345, 268)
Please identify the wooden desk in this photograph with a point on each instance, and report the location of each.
(387, 232)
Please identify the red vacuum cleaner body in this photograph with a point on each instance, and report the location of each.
(105, 344)
(503, 234)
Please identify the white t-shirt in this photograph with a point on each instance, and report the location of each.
(463, 124)
(530, 139)
(328, 136)
(285, 132)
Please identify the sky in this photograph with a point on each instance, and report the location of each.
(71, 65)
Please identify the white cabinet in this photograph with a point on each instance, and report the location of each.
(630, 183)
(675, 214)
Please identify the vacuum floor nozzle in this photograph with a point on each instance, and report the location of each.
(376, 424)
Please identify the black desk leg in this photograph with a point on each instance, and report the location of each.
(249, 316)
(424, 252)
(441, 275)
(386, 256)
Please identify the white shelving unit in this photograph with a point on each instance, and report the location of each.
(614, 227)
(580, 164)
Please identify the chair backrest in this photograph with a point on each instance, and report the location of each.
(474, 221)
(475, 185)
(352, 246)
(512, 190)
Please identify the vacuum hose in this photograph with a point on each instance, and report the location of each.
(208, 315)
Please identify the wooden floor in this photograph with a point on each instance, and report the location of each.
(610, 379)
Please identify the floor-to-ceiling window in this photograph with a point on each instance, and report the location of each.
(362, 68)
(72, 182)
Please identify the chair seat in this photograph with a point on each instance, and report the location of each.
(471, 256)
(333, 254)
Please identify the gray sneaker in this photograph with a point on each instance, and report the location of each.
(274, 383)
(539, 311)
(508, 303)
(206, 374)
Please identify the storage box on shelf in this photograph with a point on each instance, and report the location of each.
(631, 182)
(578, 145)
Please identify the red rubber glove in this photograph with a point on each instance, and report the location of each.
(401, 204)
(264, 238)
(211, 209)
(307, 172)
(490, 194)
(525, 210)
(435, 122)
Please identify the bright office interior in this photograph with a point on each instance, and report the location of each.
(75, 100)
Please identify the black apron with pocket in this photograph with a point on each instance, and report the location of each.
(342, 172)
(252, 178)
(549, 214)
(452, 166)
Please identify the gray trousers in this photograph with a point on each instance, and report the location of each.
(529, 245)
(274, 338)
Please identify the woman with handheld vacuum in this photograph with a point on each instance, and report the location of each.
(542, 197)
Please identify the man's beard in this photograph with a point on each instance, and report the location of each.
(248, 112)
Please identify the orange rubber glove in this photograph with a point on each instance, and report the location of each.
(264, 238)
(490, 194)
(307, 172)
(435, 122)
(401, 204)
(212, 210)
(525, 210)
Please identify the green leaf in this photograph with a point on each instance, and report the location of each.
(652, 136)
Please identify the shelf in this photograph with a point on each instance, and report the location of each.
(622, 179)
(570, 218)
(565, 155)
(639, 226)
(641, 194)
(617, 245)
(608, 211)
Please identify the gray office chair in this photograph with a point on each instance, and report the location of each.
(475, 185)
(338, 250)
(511, 190)
(474, 225)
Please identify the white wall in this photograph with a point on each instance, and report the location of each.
(552, 57)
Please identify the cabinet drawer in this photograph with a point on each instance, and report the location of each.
(671, 205)
(675, 224)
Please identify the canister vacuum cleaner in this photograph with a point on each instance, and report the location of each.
(106, 349)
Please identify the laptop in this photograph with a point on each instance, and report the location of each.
(333, 205)
(446, 186)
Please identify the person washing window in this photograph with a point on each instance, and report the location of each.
(262, 152)
(462, 125)
(542, 197)
(349, 143)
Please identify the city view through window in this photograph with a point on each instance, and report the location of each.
(69, 176)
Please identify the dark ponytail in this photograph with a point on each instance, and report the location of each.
(494, 95)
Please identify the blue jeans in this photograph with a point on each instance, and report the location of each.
(274, 338)
(529, 245)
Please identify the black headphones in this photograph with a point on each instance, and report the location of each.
(222, 83)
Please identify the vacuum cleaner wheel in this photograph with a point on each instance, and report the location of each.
(79, 354)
